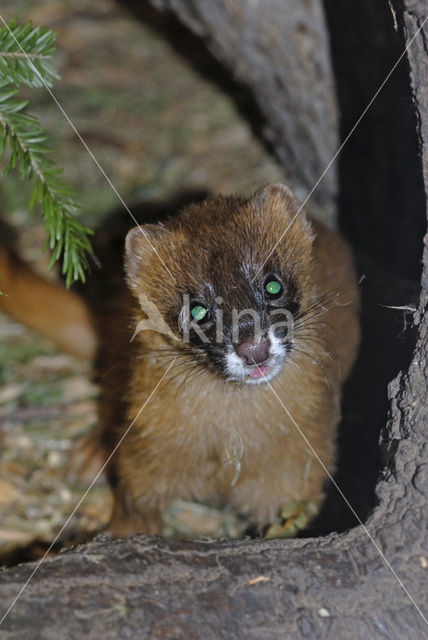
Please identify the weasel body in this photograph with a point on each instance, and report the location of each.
(245, 316)
(242, 417)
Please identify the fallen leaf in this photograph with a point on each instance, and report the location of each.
(258, 580)
(8, 493)
(10, 393)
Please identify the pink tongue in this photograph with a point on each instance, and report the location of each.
(258, 372)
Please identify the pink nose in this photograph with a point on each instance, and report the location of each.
(254, 353)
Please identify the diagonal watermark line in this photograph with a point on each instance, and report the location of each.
(37, 567)
(148, 399)
(54, 98)
(367, 532)
(343, 144)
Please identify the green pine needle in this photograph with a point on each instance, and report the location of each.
(24, 54)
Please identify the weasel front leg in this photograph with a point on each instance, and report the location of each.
(125, 521)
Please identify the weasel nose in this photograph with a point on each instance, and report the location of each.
(254, 353)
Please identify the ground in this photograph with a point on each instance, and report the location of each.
(155, 126)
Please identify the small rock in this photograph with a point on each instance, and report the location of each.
(10, 393)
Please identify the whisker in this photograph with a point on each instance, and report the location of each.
(191, 374)
(324, 299)
(191, 366)
(313, 322)
(325, 347)
(309, 332)
(315, 360)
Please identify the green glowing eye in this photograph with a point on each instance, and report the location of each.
(273, 287)
(199, 312)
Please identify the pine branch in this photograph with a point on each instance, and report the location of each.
(22, 135)
(24, 54)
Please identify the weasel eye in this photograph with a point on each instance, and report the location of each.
(199, 312)
(273, 288)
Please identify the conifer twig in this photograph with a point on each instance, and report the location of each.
(24, 54)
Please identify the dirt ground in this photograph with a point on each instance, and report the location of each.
(155, 126)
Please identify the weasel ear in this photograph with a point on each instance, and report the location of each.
(141, 242)
(278, 195)
(276, 192)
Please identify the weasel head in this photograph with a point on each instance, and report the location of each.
(226, 279)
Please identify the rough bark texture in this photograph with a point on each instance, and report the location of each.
(281, 51)
(333, 587)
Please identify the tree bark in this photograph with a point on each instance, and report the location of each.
(339, 586)
(281, 51)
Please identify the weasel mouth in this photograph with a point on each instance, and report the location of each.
(258, 372)
(261, 373)
(255, 368)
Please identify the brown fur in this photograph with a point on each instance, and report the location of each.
(45, 307)
(177, 445)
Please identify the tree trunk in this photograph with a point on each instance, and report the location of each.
(370, 582)
(281, 51)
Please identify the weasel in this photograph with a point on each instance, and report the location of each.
(245, 315)
(235, 379)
